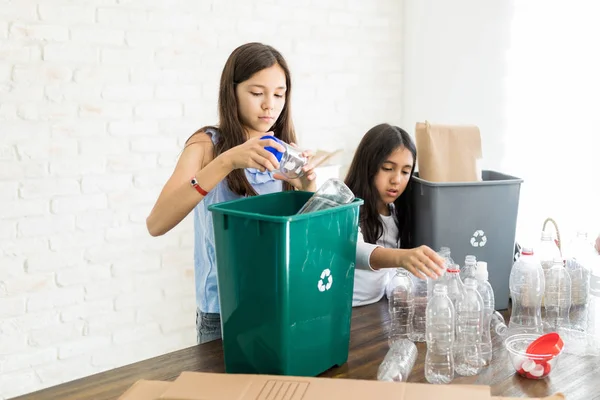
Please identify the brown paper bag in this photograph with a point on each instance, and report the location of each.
(448, 153)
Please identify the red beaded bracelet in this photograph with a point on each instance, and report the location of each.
(195, 185)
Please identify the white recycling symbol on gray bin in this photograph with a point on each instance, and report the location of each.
(322, 285)
(478, 239)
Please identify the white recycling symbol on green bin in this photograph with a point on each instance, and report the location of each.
(478, 239)
(322, 285)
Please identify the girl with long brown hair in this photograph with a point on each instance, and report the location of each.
(229, 161)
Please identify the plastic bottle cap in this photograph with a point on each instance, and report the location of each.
(549, 344)
(278, 155)
(453, 268)
(527, 251)
(481, 271)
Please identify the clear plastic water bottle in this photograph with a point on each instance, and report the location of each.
(401, 307)
(468, 359)
(498, 324)
(398, 362)
(439, 360)
(332, 193)
(455, 286)
(487, 295)
(447, 254)
(468, 270)
(448, 263)
(547, 251)
(527, 286)
(291, 160)
(557, 295)
(420, 301)
(593, 314)
(579, 257)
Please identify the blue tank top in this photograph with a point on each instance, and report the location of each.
(205, 262)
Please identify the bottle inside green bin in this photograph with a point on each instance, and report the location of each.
(332, 193)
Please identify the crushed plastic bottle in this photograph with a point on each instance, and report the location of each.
(398, 362)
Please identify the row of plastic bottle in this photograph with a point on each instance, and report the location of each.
(456, 318)
(453, 318)
(549, 294)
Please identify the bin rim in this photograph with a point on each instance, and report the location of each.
(223, 208)
(510, 180)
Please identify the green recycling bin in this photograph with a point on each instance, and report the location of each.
(285, 283)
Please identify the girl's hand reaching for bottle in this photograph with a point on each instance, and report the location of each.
(423, 262)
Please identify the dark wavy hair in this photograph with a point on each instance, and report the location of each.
(374, 149)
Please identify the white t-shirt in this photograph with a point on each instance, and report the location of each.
(370, 285)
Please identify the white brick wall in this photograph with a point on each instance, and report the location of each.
(96, 100)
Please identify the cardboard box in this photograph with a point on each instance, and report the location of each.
(145, 390)
(211, 386)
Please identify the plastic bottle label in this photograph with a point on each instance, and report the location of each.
(595, 285)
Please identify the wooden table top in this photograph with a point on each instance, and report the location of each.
(574, 376)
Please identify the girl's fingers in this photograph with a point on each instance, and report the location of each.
(425, 270)
(267, 155)
(311, 177)
(263, 163)
(271, 143)
(434, 256)
(308, 153)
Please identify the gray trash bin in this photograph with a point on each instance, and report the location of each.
(478, 218)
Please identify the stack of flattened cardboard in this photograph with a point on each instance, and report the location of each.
(212, 386)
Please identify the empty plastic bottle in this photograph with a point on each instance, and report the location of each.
(448, 263)
(546, 252)
(557, 295)
(468, 270)
(527, 285)
(498, 324)
(455, 286)
(398, 362)
(593, 314)
(420, 300)
(332, 193)
(447, 254)
(401, 307)
(439, 360)
(468, 359)
(580, 255)
(487, 295)
(291, 160)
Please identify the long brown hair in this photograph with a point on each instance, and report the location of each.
(245, 61)
(374, 149)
